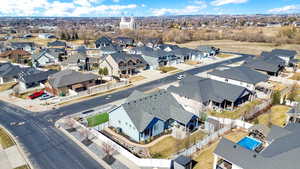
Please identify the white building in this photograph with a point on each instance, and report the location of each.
(127, 24)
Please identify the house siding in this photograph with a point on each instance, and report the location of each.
(156, 126)
(249, 86)
(118, 118)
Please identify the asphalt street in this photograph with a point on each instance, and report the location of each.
(48, 148)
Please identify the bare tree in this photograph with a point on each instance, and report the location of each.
(84, 133)
(108, 149)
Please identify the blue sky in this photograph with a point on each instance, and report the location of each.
(144, 7)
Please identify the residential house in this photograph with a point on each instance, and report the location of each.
(152, 42)
(45, 57)
(270, 65)
(294, 114)
(280, 149)
(32, 77)
(143, 116)
(104, 41)
(196, 93)
(287, 55)
(61, 82)
(57, 44)
(79, 62)
(188, 54)
(240, 76)
(27, 46)
(211, 125)
(167, 47)
(121, 64)
(208, 50)
(159, 58)
(124, 41)
(47, 36)
(17, 56)
(109, 50)
(9, 72)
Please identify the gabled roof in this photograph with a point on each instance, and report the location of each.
(125, 40)
(57, 43)
(159, 104)
(204, 90)
(241, 73)
(122, 56)
(9, 70)
(104, 40)
(205, 48)
(283, 52)
(19, 45)
(265, 63)
(33, 75)
(69, 77)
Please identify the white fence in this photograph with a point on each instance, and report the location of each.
(239, 123)
(141, 162)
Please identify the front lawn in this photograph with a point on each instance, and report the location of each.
(224, 55)
(5, 139)
(167, 69)
(277, 116)
(236, 113)
(168, 146)
(296, 76)
(7, 86)
(97, 119)
(136, 78)
(205, 156)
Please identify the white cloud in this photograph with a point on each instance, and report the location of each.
(224, 2)
(143, 5)
(59, 8)
(285, 9)
(187, 10)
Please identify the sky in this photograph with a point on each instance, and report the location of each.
(112, 8)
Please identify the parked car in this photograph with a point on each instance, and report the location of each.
(45, 96)
(36, 94)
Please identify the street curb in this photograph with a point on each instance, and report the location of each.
(17, 143)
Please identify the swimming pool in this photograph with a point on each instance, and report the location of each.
(249, 143)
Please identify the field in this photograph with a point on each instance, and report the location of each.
(243, 47)
(205, 156)
(169, 145)
(97, 119)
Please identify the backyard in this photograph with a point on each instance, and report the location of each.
(236, 113)
(169, 145)
(204, 157)
(276, 116)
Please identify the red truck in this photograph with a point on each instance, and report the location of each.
(36, 94)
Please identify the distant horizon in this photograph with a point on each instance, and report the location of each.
(144, 8)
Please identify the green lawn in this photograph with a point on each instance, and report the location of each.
(5, 139)
(98, 119)
(169, 145)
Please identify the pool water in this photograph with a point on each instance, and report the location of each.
(249, 143)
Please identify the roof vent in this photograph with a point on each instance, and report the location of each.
(254, 155)
(234, 146)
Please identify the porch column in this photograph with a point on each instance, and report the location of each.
(215, 161)
(232, 105)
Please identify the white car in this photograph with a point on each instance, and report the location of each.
(180, 77)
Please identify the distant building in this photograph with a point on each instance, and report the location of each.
(127, 24)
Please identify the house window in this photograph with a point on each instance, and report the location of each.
(126, 123)
(226, 80)
(119, 121)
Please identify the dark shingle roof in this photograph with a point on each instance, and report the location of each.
(69, 77)
(283, 52)
(33, 75)
(160, 104)
(9, 70)
(203, 90)
(264, 63)
(57, 43)
(183, 160)
(241, 73)
(122, 56)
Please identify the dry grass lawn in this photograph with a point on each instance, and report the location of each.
(277, 116)
(7, 86)
(192, 62)
(243, 47)
(237, 113)
(167, 69)
(5, 139)
(136, 78)
(205, 156)
(296, 76)
(224, 55)
(168, 146)
(23, 167)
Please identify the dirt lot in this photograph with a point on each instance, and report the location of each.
(243, 47)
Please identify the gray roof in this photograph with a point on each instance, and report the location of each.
(284, 52)
(264, 63)
(295, 110)
(33, 75)
(9, 70)
(241, 73)
(183, 160)
(143, 108)
(122, 56)
(69, 77)
(57, 43)
(204, 90)
(283, 152)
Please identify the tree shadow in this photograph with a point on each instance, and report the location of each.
(109, 159)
